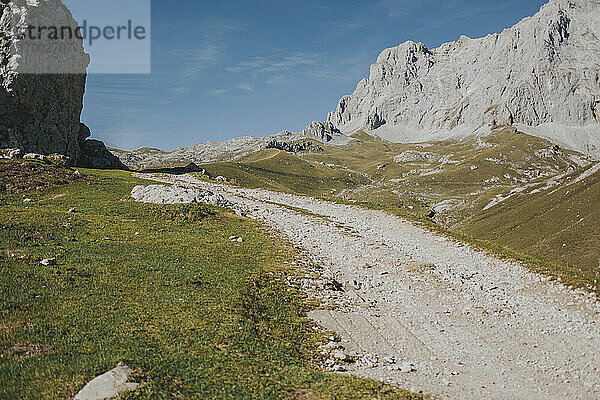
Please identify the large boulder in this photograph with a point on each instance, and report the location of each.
(42, 80)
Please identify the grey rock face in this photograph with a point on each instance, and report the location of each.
(39, 113)
(41, 97)
(544, 70)
(324, 131)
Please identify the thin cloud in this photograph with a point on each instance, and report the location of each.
(400, 8)
(274, 63)
(218, 92)
(246, 87)
(208, 49)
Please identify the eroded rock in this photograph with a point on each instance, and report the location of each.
(41, 94)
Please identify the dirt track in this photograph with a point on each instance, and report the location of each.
(429, 314)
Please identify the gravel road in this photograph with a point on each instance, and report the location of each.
(429, 314)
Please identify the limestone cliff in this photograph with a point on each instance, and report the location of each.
(544, 72)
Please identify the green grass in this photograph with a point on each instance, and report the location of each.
(362, 135)
(281, 171)
(560, 227)
(159, 287)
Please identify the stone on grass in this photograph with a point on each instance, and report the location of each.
(108, 385)
(34, 156)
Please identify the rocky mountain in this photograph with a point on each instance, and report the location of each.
(42, 86)
(542, 75)
(229, 150)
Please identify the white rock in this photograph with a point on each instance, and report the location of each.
(407, 367)
(108, 385)
(12, 154)
(340, 355)
(161, 194)
(34, 156)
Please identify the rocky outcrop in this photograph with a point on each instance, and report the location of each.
(41, 97)
(96, 155)
(295, 148)
(323, 131)
(234, 149)
(544, 70)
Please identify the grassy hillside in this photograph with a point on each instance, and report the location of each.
(458, 180)
(159, 287)
(560, 226)
(278, 170)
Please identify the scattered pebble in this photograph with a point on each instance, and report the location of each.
(340, 355)
(407, 368)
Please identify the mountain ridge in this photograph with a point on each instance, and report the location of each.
(543, 70)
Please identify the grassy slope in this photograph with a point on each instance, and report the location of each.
(278, 170)
(562, 227)
(123, 291)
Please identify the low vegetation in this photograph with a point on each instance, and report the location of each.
(161, 288)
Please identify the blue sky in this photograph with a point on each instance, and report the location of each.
(222, 69)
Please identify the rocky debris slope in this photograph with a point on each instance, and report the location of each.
(41, 94)
(543, 72)
(323, 131)
(424, 312)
